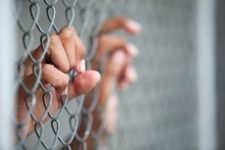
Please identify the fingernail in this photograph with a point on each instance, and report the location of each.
(135, 26)
(82, 65)
(65, 92)
(133, 74)
(118, 57)
(133, 50)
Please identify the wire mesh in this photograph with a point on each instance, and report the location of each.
(164, 117)
(37, 20)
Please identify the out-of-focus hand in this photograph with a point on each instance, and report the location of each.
(118, 72)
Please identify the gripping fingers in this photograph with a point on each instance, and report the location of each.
(69, 46)
(80, 50)
(74, 48)
(55, 77)
(57, 54)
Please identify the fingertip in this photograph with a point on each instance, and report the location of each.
(133, 50)
(116, 63)
(85, 81)
(132, 74)
(118, 57)
(133, 26)
(95, 75)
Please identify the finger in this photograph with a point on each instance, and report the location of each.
(127, 77)
(128, 25)
(115, 63)
(111, 43)
(129, 74)
(83, 83)
(50, 75)
(112, 69)
(74, 48)
(123, 83)
(57, 54)
(110, 113)
(67, 41)
(55, 77)
(80, 50)
(66, 37)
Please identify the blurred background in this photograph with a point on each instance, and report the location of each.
(161, 111)
(178, 101)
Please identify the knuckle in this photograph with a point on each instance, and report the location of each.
(72, 64)
(121, 19)
(66, 68)
(71, 29)
(54, 39)
(66, 34)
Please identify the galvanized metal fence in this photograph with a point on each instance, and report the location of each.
(175, 112)
(88, 15)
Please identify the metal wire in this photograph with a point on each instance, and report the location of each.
(91, 14)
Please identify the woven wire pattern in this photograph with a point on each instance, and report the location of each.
(39, 17)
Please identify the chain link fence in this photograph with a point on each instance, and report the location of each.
(37, 20)
(161, 112)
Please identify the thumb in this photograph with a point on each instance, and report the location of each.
(83, 83)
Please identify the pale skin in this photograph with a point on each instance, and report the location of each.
(119, 73)
(67, 52)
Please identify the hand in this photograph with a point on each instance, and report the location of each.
(66, 52)
(118, 72)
